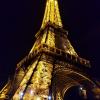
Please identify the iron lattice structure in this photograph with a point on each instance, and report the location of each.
(52, 65)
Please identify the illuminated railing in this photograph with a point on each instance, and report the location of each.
(55, 52)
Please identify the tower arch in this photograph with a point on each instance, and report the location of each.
(73, 92)
(66, 79)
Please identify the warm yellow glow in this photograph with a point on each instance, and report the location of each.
(36, 44)
(58, 96)
(52, 13)
(4, 91)
(44, 38)
(68, 48)
(37, 79)
(24, 81)
(39, 41)
(40, 82)
(55, 2)
(51, 39)
(38, 98)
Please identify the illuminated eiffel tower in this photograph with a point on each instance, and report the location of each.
(52, 65)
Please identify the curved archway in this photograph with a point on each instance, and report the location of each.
(69, 83)
(72, 93)
(78, 92)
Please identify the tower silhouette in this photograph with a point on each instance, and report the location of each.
(52, 66)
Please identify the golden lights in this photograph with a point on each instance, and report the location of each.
(52, 13)
(40, 82)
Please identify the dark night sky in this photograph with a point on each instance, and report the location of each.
(21, 19)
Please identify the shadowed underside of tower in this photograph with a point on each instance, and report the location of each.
(52, 65)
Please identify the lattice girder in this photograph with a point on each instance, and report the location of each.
(52, 13)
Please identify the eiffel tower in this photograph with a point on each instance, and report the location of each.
(52, 66)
